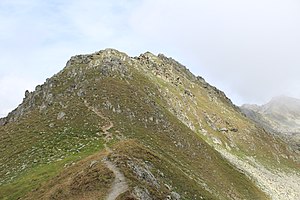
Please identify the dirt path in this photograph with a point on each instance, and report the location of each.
(94, 110)
(119, 185)
(109, 124)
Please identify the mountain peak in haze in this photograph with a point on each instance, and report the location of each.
(280, 115)
(281, 111)
(282, 105)
(286, 100)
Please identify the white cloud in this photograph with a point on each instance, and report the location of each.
(249, 49)
(13, 92)
(37, 38)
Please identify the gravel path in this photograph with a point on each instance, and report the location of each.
(119, 185)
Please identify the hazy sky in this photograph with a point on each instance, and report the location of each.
(250, 49)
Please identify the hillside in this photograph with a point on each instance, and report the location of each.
(281, 116)
(110, 126)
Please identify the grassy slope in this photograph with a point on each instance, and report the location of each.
(249, 140)
(174, 143)
(153, 135)
(191, 169)
(39, 145)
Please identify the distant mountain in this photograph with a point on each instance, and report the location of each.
(281, 116)
(110, 126)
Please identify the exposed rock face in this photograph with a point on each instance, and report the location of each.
(144, 174)
(2, 121)
(141, 194)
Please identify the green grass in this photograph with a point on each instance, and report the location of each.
(33, 178)
(160, 138)
(152, 132)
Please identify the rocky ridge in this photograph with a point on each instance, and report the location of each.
(168, 131)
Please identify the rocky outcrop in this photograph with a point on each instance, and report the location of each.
(141, 193)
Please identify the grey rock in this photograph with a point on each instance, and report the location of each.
(61, 115)
(27, 93)
(38, 88)
(175, 196)
(234, 129)
(223, 130)
(141, 193)
(81, 93)
(216, 141)
(144, 173)
(189, 93)
(3, 121)
(93, 163)
(168, 187)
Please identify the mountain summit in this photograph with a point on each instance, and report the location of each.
(281, 116)
(282, 113)
(109, 126)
